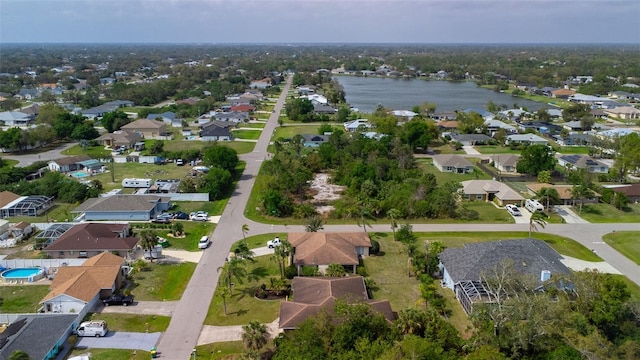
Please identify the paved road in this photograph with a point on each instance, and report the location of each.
(121, 340)
(28, 159)
(189, 314)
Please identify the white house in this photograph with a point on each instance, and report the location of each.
(530, 139)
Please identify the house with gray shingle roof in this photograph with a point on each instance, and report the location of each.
(472, 139)
(41, 336)
(452, 163)
(465, 269)
(123, 207)
(505, 162)
(583, 162)
(16, 118)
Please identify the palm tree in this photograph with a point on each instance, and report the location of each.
(280, 255)
(550, 195)
(410, 321)
(177, 228)
(245, 230)
(254, 335)
(232, 269)
(223, 292)
(242, 251)
(314, 224)
(148, 241)
(394, 214)
(537, 219)
(581, 192)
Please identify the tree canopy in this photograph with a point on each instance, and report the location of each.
(536, 158)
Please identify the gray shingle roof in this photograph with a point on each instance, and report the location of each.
(530, 256)
(38, 335)
(121, 203)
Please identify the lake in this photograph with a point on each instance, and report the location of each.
(365, 93)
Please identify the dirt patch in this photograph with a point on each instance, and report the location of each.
(324, 191)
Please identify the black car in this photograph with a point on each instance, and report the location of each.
(117, 299)
(180, 215)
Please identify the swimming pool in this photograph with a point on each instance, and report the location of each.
(79, 174)
(23, 274)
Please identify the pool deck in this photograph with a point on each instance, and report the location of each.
(15, 282)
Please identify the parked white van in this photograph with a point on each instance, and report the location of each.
(533, 205)
(95, 328)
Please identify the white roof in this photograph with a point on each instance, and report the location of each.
(526, 137)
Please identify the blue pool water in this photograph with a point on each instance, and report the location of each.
(79, 174)
(21, 273)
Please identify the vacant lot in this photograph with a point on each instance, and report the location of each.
(16, 299)
(289, 131)
(159, 282)
(247, 134)
(626, 242)
(605, 213)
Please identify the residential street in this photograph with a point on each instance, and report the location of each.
(187, 321)
(28, 159)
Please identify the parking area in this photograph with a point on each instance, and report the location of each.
(121, 340)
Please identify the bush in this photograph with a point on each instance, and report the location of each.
(310, 271)
(290, 272)
(362, 271)
(375, 248)
(304, 211)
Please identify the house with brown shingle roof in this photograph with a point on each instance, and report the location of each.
(562, 93)
(452, 163)
(119, 138)
(322, 249)
(146, 127)
(75, 287)
(315, 294)
(90, 239)
(564, 191)
(7, 197)
(490, 190)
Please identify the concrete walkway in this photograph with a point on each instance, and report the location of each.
(581, 265)
(568, 215)
(212, 334)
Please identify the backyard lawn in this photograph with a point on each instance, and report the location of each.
(133, 322)
(162, 282)
(20, 299)
(242, 306)
(572, 150)
(495, 149)
(60, 212)
(194, 230)
(605, 213)
(626, 242)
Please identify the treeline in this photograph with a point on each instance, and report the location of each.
(61, 187)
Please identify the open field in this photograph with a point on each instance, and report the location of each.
(572, 149)
(496, 149)
(20, 299)
(605, 213)
(160, 282)
(134, 323)
(626, 243)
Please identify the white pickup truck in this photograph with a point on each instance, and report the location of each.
(273, 243)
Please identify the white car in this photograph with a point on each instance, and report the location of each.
(513, 210)
(204, 242)
(200, 217)
(273, 243)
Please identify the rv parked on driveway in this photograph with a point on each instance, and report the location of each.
(136, 183)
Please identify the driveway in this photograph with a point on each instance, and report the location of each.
(469, 150)
(568, 215)
(121, 340)
(213, 334)
(162, 308)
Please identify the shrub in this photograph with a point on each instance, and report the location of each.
(290, 272)
(375, 248)
(310, 271)
(362, 271)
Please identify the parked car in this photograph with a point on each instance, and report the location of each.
(180, 215)
(273, 243)
(204, 242)
(164, 216)
(161, 220)
(513, 210)
(200, 217)
(117, 299)
(179, 162)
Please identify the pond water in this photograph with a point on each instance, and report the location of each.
(365, 93)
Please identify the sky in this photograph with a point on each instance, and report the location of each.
(320, 21)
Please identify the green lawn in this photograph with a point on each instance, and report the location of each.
(257, 241)
(605, 213)
(290, 131)
(572, 149)
(60, 212)
(495, 149)
(96, 152)
(389, 271)
(111, 354)
(440, 148)
(256, 125)
(161, 282)
(626, 242)
(133, 322)
(10, 162)
(16, 299)
(563, 245)
(194, 231)
(221, 350)
(212, 207)
(247, 134)
(426, 164)
(242, 306)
